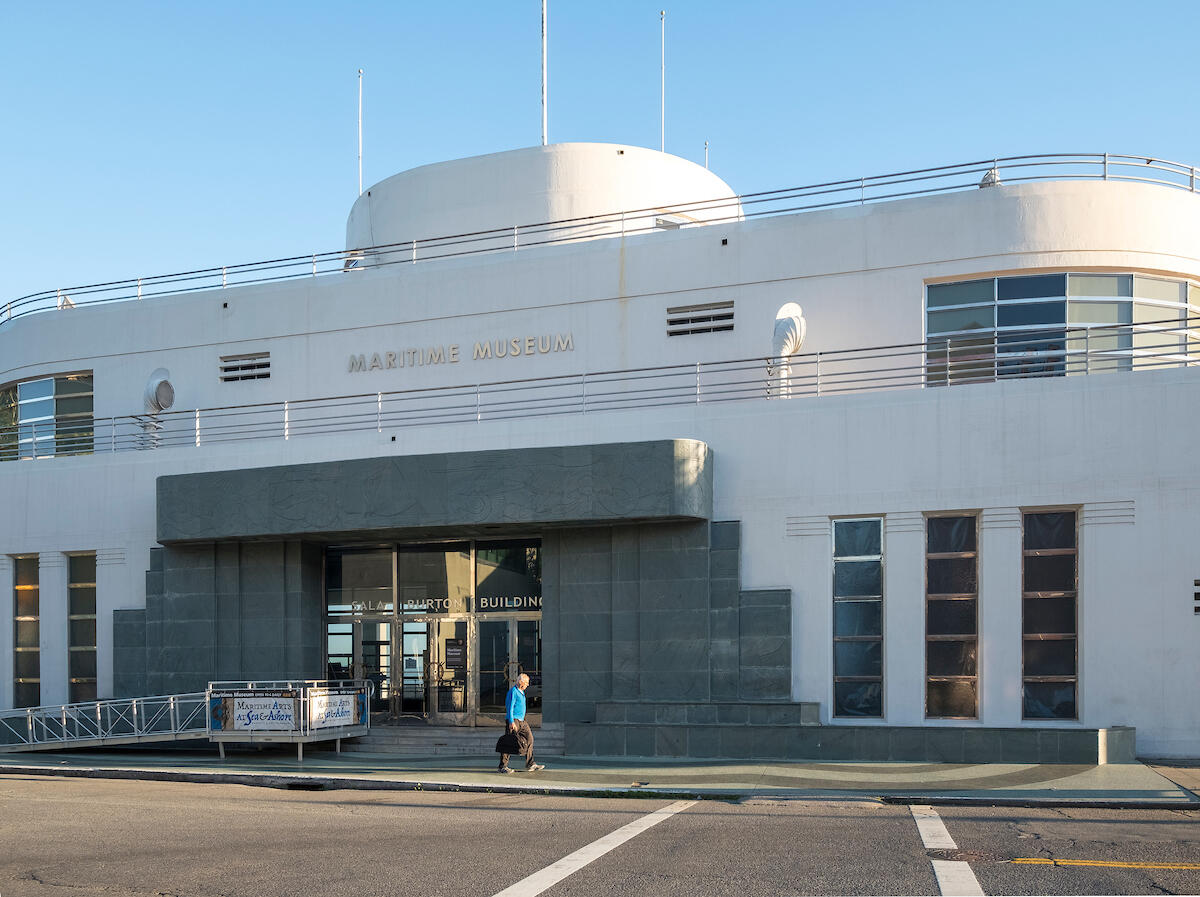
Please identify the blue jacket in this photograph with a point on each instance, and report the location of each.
(514, 705)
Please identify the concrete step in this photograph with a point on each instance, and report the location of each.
(433, 741)
(742, 713)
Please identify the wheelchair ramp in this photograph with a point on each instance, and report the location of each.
(104, 723)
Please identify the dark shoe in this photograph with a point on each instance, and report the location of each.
(504, 770)
(534, 767)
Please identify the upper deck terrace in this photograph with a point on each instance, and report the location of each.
(631, 222)
(56, 415)
(1044, 353)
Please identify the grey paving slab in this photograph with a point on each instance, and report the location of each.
(1133, 785)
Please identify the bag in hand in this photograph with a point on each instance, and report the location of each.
(508, 743)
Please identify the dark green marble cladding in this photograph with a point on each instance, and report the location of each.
(654, 613)
(218, 611)
(642, 597)
(419, 495)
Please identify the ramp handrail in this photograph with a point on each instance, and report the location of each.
(90, 722)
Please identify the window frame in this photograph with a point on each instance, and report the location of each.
(961, 356)
(974, 516)
(48, 435)
(1074, 594)
(835, 639)
(77, 685)
(17, 617)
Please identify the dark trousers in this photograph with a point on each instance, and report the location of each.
(525, 740)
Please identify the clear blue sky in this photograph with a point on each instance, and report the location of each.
(151, 137)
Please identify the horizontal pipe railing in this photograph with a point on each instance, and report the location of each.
(89, 722)
(956, 359)
(853, 191)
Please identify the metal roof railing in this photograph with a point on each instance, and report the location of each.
(854, 191)
(982, 356)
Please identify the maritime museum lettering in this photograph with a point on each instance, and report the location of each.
(483, 350)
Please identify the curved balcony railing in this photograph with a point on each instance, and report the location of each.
(985, 357)
(855, 191)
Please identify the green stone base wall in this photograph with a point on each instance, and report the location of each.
(654, 612)
(749, 733)
(223, 611)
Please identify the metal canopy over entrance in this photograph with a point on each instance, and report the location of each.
(441, 629)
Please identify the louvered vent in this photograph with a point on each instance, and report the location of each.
(255, 366)
(712, 317)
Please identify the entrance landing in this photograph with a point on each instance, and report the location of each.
(417, 739)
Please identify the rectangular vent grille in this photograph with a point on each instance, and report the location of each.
(712, 317)
(255, 366)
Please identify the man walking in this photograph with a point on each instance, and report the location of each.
(514, 718)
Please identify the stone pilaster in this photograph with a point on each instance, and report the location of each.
(52, 611)
(112, 591)
(6, 630)
(904, 618)
(811, 540)
(999, 658)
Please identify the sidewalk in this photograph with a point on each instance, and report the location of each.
(1125, 785)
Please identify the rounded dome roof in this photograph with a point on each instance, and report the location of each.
(532, 186)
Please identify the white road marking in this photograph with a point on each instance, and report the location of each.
(956, 878)
(933, 831)
(556, 872)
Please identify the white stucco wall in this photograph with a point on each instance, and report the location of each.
(858, 273)
(1117, 446)
(532, 186)
(993, 449)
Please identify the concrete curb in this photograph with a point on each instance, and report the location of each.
(305, 782)
(302, 782)
(931, 800)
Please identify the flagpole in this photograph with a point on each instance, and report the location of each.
(662, 131)
(360, 74)
(544, 128)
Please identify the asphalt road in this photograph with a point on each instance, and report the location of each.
(116, 838)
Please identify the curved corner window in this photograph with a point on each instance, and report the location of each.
(46, 417)
(1054, 325)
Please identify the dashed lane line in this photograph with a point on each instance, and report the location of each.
(954, 877)
(933, 831)
(1108, 864)
(554, 873)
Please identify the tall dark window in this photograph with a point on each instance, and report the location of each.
(81, 623)
(1049, 615)
(858, 617)
(951, 617)
(27, 667)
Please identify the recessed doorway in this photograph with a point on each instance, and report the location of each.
(441, 630)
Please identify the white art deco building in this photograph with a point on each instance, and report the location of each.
(902, 467)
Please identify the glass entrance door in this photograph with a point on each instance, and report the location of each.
(373, 650)
(527, 638)
(495, 673)
(448, 673)
(505, 649)
(413, 647)
(441, 629)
